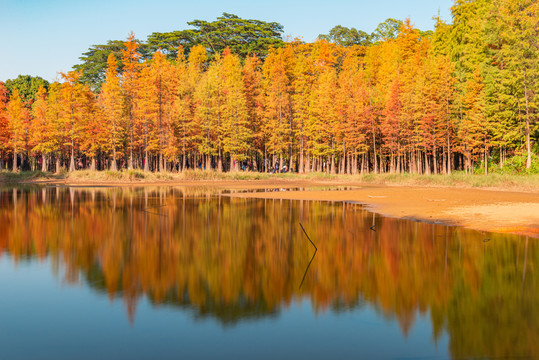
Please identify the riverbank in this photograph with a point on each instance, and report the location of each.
(506, 182)
(499, 203)
(486, 210)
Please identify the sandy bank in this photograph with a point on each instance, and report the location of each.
(499, 211)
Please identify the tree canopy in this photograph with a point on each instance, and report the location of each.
(244, 37)
(26, 85)
(344, 36)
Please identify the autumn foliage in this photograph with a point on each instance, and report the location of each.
(413, 102)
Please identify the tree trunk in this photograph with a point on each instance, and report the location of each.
(301, 169)
(15, 160)
(57, 163)
(374, 150)
(146, 161)
(44, 160)
(434, 160)
(130, 163)
(72, 160)
(528, 143)
(184, 162)
(92, 167)
(291, 162)
(113, 166)
(486, 157)
(220, 161)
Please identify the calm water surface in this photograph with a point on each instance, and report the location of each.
(121, 273)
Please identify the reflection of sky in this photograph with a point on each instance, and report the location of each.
(43, 37)
(42, 318)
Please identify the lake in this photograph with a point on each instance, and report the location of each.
(187, 272)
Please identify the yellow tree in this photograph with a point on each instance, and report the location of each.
(143, 109)
(354, 94)
(94, 134)
(40, 127)
(327, 130)
(16, 114)
(235, 113)
(4, 124)
(474, 127)
(252, 89)
(131, 69)
(376, 81)
(160, 94)
(74, 111)
(188, 73)
(303, 82)
(209, 107)
(412, 50)
(277, 72)
(56, 136)
(111, 99)
(323, 127)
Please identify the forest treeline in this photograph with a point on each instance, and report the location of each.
(464, 97)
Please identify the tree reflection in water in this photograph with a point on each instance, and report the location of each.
(235, 259)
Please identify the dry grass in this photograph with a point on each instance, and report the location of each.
(457, 179)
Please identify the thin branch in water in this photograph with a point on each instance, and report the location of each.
(308, 236)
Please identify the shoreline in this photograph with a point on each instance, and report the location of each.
(484, 209)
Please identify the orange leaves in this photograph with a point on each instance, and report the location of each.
(112, 101)
(17, 116)
(40, 130)
(473, 126)
(4, 123)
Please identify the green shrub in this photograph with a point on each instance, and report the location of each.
(517, 165)
(135, 174)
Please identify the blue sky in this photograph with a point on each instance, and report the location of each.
(43, 37)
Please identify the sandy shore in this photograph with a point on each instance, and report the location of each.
(488, 210)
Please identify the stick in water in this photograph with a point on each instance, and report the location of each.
(308, 236)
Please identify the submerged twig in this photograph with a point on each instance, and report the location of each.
(308, 236)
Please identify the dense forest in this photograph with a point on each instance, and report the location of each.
(232, 94)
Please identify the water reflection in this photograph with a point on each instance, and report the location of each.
(235, 259)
